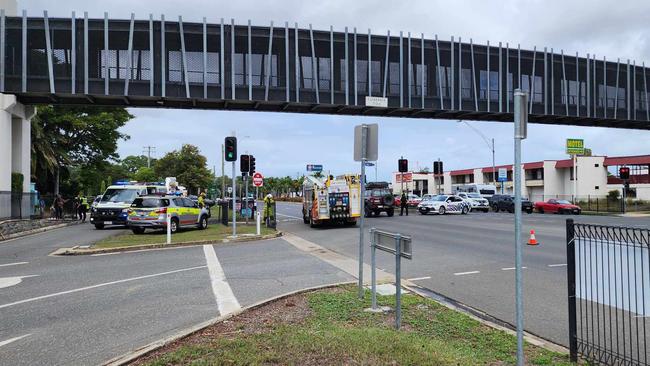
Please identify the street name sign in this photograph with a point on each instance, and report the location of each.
(376, 102)
(314, 168)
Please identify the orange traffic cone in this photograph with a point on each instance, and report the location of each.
(532, 240)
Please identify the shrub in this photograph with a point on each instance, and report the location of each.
(613, 195)
(17, 180)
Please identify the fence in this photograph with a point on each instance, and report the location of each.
(600, 203)
(608, 273)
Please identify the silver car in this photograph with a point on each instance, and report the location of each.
(150, 212)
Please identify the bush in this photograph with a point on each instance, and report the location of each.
(17, 180)
(614, 195)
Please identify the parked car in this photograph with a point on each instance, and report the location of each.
(558, 206)
(476, 201)
(506, 202)
(379, 198)
(413, 200)
(443, 204)
(150, 212)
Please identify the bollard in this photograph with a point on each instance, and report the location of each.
(169, 228)
(398, 281)
(373, 270)
(257, 215)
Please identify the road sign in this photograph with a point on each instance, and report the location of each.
(229, 189)
(258, 179)
(314, 168)
(376, 102)
(503, 175)
(408, 177)
(372, 137)
(575, 146)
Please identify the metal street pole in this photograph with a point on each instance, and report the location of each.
(575, 178)
(489, 145)
(362, 180)
(494, 174)
(223, 173)
(439, 178)
(234, 201)
(246, 196)
(521, 118)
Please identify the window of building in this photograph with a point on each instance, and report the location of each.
(466, 84)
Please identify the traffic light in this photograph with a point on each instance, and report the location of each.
(403, 165)
(624, 173)
(437, 167)
(230, 145)
(245, 163)
(251, 165)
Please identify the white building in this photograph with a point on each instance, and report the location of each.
(541, 180)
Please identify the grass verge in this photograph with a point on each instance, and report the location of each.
(213, 232)
(330, 327)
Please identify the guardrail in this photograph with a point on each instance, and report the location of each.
(608, 272)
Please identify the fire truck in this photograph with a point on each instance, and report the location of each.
(331, 200)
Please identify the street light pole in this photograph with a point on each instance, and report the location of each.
(490, 145)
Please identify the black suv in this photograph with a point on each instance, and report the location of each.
(379, 198)
(506, 202)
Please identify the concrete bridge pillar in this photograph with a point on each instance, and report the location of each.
(15, 155)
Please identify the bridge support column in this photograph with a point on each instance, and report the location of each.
(15, 155)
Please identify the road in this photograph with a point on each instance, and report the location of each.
(470, 259)
(88, 309)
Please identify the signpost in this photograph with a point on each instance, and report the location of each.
(503, 177)
(400, 246)
(521, 123)
(314, 168)
(366, 137)
(575, 147)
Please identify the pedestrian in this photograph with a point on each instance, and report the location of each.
(58, 206)
(82, 206)
(201, 200)
(269, 209)
(403, 204)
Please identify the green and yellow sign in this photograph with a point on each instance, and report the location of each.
(575, 146)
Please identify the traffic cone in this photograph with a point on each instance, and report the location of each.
(532, 240)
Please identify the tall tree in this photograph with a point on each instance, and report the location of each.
(187, 165)
(66, 136)
(133, 163)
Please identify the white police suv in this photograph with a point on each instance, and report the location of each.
(443, 204)
(476, 201)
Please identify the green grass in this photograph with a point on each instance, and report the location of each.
(338, 331)
(213, 232)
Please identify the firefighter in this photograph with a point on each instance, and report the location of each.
(269, 208)
(201, 200)
(403, 204)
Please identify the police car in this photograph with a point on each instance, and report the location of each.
(150, 212)
(443, 204)
(476, 201)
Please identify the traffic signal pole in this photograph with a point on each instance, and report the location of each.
(234, 199)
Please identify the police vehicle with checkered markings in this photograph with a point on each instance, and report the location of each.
(444, 204)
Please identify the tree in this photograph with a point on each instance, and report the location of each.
(145, 174)
(67, 136)
(132, 163)
(187, 165)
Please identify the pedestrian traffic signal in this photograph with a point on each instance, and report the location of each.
(437, 167)
(251, 165)
(245, 164)
(230, 148)
(403, 165)
(624, 173)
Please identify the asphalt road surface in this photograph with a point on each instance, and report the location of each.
(470, 258)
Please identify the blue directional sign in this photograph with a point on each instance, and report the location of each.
(314, 168)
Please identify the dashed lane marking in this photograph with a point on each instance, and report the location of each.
(557, 265)
(419, 278)
(12, 264)
(466, 273)
(511, 268)
(4, 343)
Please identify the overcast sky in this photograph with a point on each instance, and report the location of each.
(284, 143)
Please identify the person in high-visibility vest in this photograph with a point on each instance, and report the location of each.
(82, 208)
(201, 200)
(269, 204)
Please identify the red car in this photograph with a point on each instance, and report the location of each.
(557, 206)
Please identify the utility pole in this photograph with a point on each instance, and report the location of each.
(490, 145)
(148, 150)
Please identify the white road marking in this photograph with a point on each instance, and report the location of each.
(4, 343)
(12, 264)
(293, 217)
(103, 254)
(12, 281)
(419, 278)
(511, 268)
(557, 265)
(97, 286)
(466, 273)
(226, 300)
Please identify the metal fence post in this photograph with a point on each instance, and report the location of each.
(398, 281)
(373, 272)
(571, 282)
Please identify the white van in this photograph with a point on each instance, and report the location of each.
(485, 190)
(112, 206)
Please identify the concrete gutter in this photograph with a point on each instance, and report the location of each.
(79, 250)
(142, 351)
